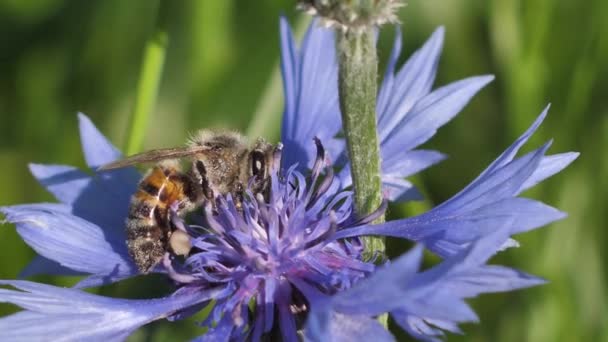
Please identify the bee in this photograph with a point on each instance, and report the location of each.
(221, 163)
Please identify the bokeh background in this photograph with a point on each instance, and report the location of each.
(58, 57)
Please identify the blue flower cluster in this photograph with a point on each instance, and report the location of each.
(291, 264)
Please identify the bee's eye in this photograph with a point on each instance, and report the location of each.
(257, 163)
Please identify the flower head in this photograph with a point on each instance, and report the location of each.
(258, 251)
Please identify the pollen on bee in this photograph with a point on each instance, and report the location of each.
(179, 242)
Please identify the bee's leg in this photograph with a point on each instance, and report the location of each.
(180, 243)
(239, 193)
(175, 218)
(200, 173)
(179, 239)
(265, 190)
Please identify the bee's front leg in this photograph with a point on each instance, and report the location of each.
(200, 174)
(239, 194)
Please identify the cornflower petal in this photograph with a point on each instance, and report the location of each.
(488, 202)
(94, 207)
(310, 82)
(97, 149)
(71, 241)
(419, 300)
(104, 202)
(102, 198)
(220, 333)
(63, 314)
(42, 265)
(431, 112)
(549, 166)
(400, 91)
(419, 125)
(345, 328)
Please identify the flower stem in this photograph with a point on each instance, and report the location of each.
(358, 88)
(148, 84)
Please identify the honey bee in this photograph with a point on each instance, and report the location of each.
(221, 163)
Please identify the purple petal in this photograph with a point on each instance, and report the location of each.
(71, 241)
(399, 190)
(97, 149)
(383, 290)
(34, 326)
(394, 188)
(526, 214)
(311, 92)
(399, 93)
(430, 113)
(519, 214)
(66, 183)
(55, 313)
(222, 332)
(384, 95)
(502, 183)
(408, 163)
(287, 323)
(491, 279)
(510, 153)
(485, 204)
(435, 296)
(549, 166)
(446, 234)
(42, 265)
(289, 61)
(103, 200)
(418, 327)
(332, 326)
(395, 168)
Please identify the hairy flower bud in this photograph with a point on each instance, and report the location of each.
(352, 15)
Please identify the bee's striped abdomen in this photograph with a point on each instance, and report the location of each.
(148, 226)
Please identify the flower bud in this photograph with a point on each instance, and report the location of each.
(352, 15)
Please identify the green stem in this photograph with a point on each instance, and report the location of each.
(358, 88)
(147, 86)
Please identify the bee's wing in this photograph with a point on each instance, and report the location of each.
(153, 156)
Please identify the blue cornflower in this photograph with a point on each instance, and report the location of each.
(275, 262)
(289, 255)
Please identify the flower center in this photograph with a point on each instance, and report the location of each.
(268, 249)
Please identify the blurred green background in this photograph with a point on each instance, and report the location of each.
(58, 57)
